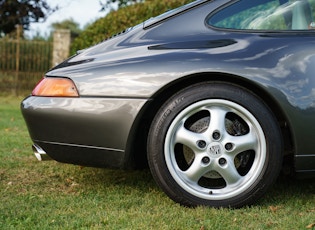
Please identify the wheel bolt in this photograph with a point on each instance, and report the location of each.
(228, 146)
(222, 161)
(205, 160)
(216, 135)
(201, 144)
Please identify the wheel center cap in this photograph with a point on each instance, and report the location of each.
(215, 149)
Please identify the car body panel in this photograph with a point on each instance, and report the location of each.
(116, 79)
(74, 123)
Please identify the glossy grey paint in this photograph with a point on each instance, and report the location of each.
(137, 66)
(60, 125)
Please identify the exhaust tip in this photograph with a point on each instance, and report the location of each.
(40, 153)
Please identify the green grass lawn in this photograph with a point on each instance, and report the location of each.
(51, 195)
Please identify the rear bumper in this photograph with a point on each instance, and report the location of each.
(85, 131)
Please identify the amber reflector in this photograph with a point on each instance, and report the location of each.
(55, 87)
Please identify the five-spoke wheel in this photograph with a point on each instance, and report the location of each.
(214, 144)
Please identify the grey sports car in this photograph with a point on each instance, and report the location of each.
(216, 97)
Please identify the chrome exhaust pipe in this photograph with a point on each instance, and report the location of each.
(40, 153)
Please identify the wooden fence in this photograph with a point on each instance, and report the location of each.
(24, 62)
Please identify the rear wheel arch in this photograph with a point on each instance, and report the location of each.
(136, 145)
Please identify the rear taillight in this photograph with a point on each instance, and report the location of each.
(55, 87)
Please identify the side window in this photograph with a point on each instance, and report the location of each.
(266, 15)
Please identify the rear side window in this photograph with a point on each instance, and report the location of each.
(265, 15)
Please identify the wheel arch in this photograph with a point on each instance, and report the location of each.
(136, 144)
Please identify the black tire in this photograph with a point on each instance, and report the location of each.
(214, 144)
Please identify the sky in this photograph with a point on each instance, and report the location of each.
(81, 11)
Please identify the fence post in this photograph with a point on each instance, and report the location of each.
(17, 60)
(61, 46)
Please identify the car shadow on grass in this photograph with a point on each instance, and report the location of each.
(285, 189)
(288, 190)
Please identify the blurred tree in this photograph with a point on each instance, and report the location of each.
(22, 12)
(68, 24)
(39, 37)
(105, 4)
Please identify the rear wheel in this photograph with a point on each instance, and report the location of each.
(214, 144)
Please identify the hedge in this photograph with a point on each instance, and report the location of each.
(117, 21)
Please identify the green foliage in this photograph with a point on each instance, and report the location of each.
(68, 24)
(119, 20)
(121, 3)
(51, 195)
